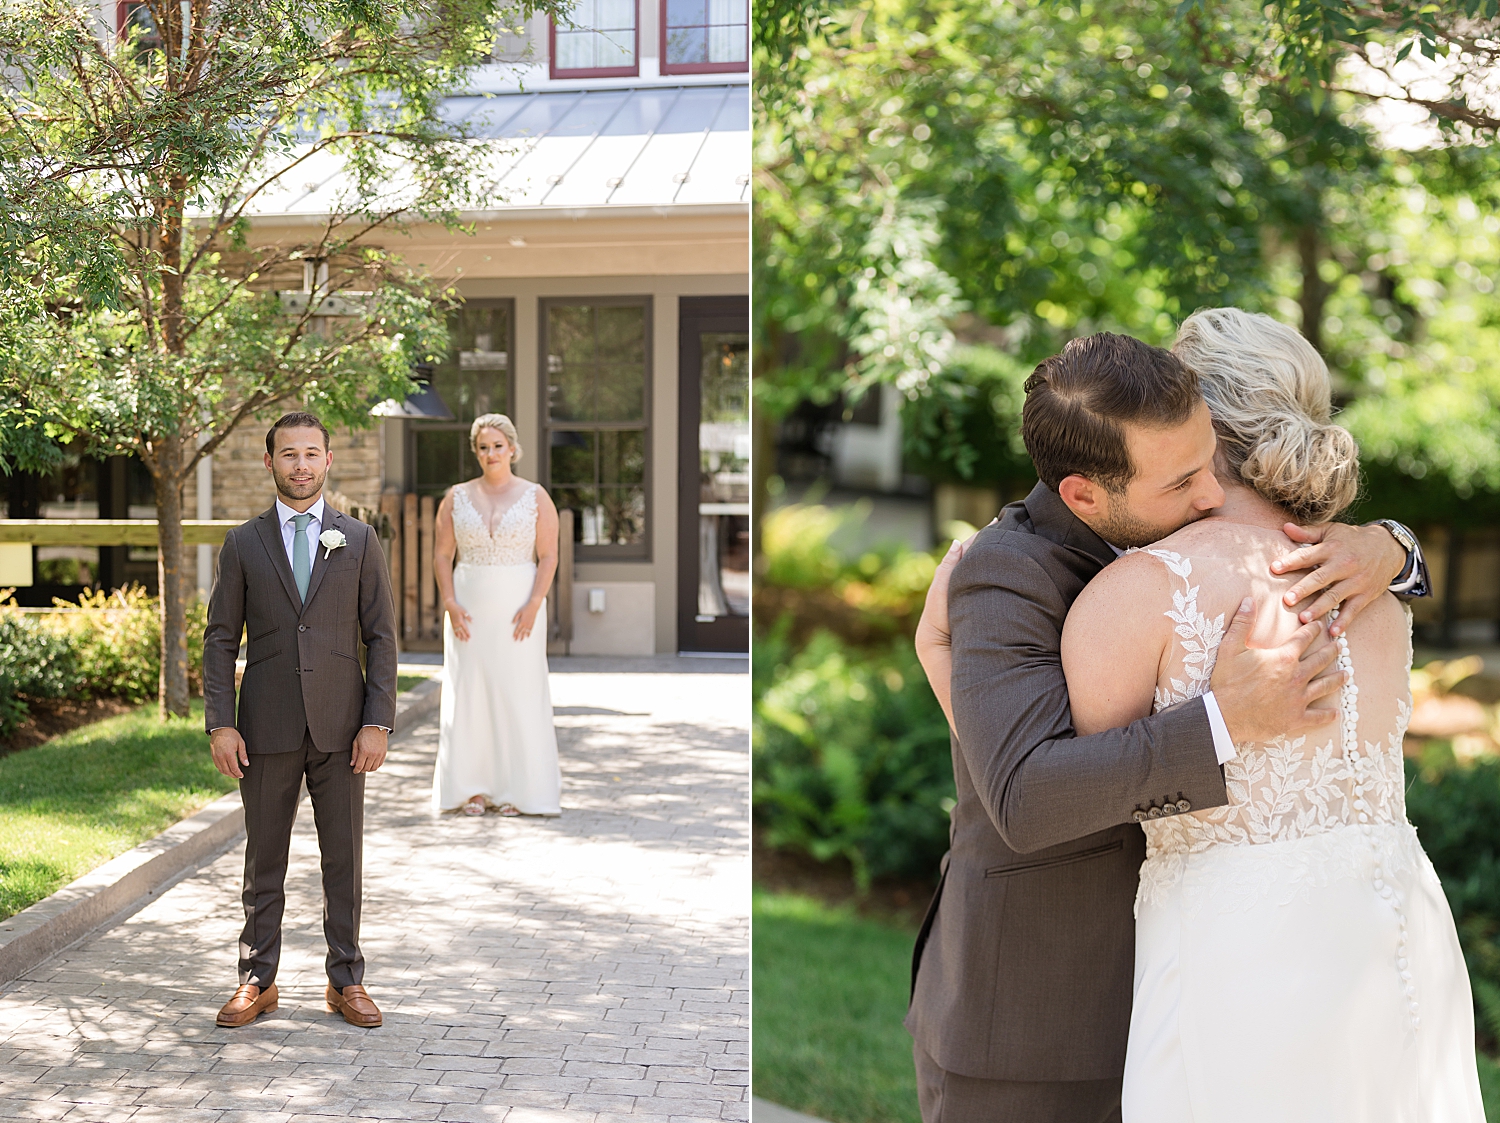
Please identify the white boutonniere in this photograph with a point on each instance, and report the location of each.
(332, 540)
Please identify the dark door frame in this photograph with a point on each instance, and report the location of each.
(696, 315)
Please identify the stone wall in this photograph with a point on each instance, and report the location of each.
(243, 488)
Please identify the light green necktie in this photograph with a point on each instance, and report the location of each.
(301, 556)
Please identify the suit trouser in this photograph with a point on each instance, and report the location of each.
(271, 790)
(947, 1097)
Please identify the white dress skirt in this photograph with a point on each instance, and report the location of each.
(496, 736)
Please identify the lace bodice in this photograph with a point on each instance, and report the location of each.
(513, 541)
(1291, 787)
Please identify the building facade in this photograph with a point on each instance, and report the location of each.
(605, 310)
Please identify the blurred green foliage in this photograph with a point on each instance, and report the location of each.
(1017, 175)
(1456, 809)
(850, 755)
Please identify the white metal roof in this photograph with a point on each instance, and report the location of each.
(596, 150)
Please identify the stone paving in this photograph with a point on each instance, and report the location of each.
(586, 968)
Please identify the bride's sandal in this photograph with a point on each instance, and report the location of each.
(475, 806)
(508, 809)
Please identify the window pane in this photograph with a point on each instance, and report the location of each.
(622, 334)
(474, 377)
(572, 458)
(622, 458)
(622, 516)
(727, 43)
(724, 475)
(443, 458)
(601, 36)
(728, 11)
(622, 394)
(597, 369)
(706, 31)
(570, 393)
(687, 13)
(687, 45)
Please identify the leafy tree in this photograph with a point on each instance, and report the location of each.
(133, 166)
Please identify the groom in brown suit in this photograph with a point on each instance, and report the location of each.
(307, 585)
(1023, 970)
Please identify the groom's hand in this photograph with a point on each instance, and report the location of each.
(228, 749)
(1351, 566)
(369, 749)
(1269, 692)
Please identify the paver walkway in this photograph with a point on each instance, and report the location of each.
(582, 968)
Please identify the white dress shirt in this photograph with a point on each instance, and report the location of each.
(1223, 744)
(289, 529)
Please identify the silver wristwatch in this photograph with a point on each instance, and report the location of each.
(1412, 581)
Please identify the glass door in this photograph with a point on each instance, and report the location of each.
(713, 537)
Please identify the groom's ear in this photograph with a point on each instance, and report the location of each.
(1082, 495)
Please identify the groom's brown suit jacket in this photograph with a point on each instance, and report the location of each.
(302, 667)
(1024, 966)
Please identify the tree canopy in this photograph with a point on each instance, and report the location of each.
(982, 173)
(140, 310)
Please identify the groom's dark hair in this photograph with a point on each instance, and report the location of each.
(295, 420)
(1078, 401)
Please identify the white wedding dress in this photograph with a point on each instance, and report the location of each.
(1296, 959)
(496, 737)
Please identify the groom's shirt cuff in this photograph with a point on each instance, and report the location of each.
(1223, 744)
(387, 728)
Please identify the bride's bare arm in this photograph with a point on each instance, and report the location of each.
(546, 563)
(1113, 644)
(444, 549)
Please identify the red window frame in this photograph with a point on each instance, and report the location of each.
(632, 71)
(702, 67)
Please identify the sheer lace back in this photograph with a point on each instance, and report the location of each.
(513, 540)
(1334, 800)
(1292, 786)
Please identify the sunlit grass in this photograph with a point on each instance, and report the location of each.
(830, 990)
(81, 799)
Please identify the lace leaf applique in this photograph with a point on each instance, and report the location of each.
(513, 541)
(1285, 789)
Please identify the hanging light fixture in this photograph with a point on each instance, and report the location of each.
(423, 405)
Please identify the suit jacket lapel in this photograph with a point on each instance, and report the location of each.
(1053, 520)
(270, 536)
(332, 520)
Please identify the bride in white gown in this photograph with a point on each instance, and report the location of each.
(1295, 956)
(496, 746)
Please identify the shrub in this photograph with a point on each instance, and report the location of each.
(851, 756)
(1456, 809)
(108, 645)
(34, 664)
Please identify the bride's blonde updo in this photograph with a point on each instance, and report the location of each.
(496, 421)
(1268, 392)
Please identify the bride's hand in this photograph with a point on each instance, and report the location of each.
(933, 640)
(525, 619)
(461, 619)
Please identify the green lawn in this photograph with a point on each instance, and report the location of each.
(411, 682)
(80, 799)
(830, 990)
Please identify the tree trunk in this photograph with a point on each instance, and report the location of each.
(174, 662)
(170, 455)
(1314, 291)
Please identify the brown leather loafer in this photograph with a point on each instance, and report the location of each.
(355, 1004)
(249, 1002)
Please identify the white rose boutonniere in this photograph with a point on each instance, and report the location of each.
(332, 540)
